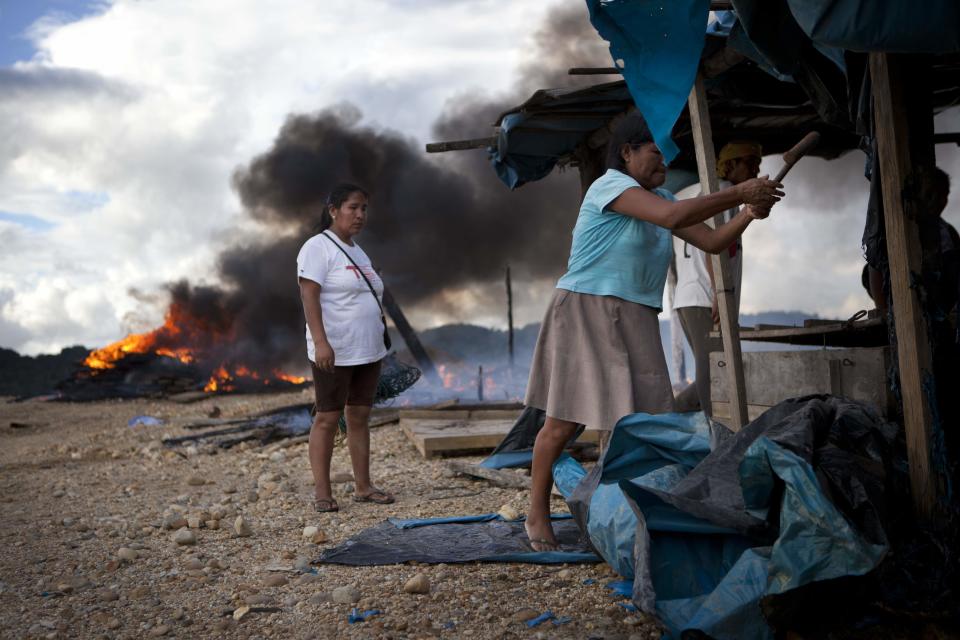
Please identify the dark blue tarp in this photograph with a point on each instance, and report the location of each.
(705, 532)
(902, 26)
(479, 538)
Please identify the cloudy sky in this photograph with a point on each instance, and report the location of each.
(122, 122)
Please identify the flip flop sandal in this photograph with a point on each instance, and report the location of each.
(326, 506)
(376, 496)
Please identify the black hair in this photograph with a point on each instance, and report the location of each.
(632, 129)
(336, 198)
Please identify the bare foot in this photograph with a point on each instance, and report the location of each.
(541, 536)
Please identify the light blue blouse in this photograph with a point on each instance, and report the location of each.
(614, 254)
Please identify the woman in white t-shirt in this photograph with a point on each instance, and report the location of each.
(341, 296)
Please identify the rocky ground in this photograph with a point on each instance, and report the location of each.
(108, 534)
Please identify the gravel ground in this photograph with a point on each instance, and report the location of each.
(92, 507)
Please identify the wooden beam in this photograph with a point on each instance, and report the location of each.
(729, 322)
(410, 338)
(947, 138)
(461, 145)
(904, 256)
(496, 477)
(593, 71)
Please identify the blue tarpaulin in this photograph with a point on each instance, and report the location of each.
(705, 531)
(657, 45)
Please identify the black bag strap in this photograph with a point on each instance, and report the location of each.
(359, 270)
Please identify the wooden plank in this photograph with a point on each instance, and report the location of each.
(721, 410)
(460, 414)
(864, 333)
(461, 145)
(496, 477)
(773, 376)
(904, 255)
(438, 435)
(726, 301)
(820, 322)
(594, 71)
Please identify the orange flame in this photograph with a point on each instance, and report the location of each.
(289, 378)
(187, 339)
(159, 341)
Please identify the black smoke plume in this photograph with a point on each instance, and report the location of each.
(437, 224)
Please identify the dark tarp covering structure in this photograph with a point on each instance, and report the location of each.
(711, 534)
(807, 72)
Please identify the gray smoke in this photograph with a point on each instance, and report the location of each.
(436, 224)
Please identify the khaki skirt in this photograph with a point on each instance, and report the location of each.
(598, 358)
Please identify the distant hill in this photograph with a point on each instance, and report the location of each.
(467, 343)
(30, 376)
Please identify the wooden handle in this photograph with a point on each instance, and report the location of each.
(799, 150)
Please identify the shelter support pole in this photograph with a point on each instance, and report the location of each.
(726, 300)
(904, 256)
(410, 337)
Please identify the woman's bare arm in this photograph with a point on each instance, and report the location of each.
(310, 298)
(647, 206)
(716, 240)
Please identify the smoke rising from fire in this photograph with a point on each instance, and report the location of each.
(436, 223)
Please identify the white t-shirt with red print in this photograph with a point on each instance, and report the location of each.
(351, 316)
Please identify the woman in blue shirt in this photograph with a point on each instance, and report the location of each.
(599, 355)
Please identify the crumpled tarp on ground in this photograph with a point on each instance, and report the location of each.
(483, 538)
(709, 533)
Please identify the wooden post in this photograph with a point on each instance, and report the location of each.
(410, 337)
(904, 256)
(509, 319)
(729, 322)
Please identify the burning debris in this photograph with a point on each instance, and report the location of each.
(187, 353)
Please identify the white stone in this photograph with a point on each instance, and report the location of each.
(417, 584)
(346, 595)
(185, 537)
(127, 554)
(241, 527)
(508, 513)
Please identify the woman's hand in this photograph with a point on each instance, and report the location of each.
(756, 213)
(323, 355)
(762, 192)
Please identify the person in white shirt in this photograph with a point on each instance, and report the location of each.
(341, 295)
(695, 299)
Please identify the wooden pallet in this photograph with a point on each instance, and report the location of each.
(434, 432)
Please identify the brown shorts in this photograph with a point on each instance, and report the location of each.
(354, 385)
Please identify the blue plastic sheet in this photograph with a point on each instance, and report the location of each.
(659, 44)
(686, 524)
(540, 619)
(357, 616)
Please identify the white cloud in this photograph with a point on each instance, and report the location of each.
(124, 129)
